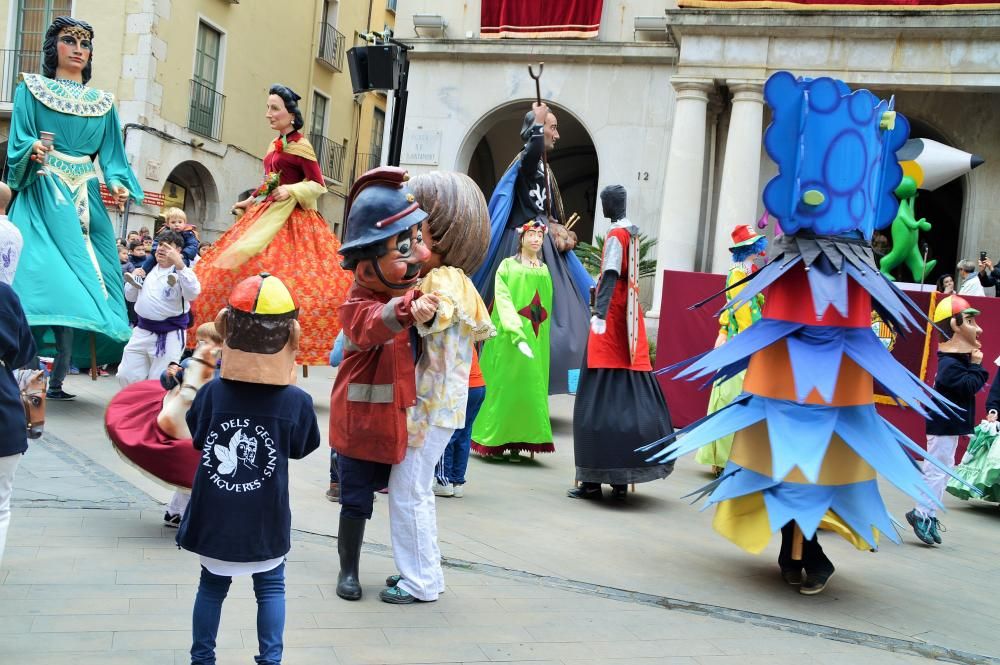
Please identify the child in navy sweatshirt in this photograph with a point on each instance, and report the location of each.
(959, 377)
(248, 423)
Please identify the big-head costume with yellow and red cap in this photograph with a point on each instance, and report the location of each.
(956, 319)
(260, 332)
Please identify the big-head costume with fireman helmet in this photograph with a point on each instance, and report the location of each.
(260, 332)
(376, 383)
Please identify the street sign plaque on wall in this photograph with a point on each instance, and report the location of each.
(422, 146)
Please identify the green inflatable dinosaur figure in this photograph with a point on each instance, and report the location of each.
(905, 229)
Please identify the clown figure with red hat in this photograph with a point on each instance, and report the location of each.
(376, 382)
(747, 245)
(247, 424)
(960, 375)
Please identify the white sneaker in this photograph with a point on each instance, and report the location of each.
(171, 279)
(446, 489)
(134, 280)
(459, 491)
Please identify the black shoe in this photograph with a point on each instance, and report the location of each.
(619, 492)
(815, 583)
(350, 537)
(792, 576)
(59, 395)
(173, 521)
(585, 493)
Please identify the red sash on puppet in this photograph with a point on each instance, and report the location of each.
(130, 421)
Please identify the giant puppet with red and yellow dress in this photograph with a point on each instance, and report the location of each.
(282, 233)
(808, 441)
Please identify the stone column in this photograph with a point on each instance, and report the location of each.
(739, 187)
(680, 214)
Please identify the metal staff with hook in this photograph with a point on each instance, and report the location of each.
(545, 160)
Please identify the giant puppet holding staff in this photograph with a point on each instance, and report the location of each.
(527, 191)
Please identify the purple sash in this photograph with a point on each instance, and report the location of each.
(162, 328)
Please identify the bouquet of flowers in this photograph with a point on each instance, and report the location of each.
(267, 187)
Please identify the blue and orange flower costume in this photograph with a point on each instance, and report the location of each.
(808, 441)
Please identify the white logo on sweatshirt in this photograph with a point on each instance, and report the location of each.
(240, 457)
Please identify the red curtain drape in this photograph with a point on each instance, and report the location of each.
(545, 19)
(835, 5)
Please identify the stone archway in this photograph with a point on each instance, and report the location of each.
(201, 196)
(494, 141)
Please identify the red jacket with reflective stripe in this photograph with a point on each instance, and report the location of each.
(376, 382)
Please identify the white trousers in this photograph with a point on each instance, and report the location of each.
(941, 448)
(413, 517)
(8, 465)
(179, 502)
(139, 360)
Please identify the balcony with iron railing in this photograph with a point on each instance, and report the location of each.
(330, 155)
(331, 47)
(207, 106)
(12, 64)
(364, 161)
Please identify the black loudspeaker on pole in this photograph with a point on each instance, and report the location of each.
(384, 66)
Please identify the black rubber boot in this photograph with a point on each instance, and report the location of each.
(350, 536)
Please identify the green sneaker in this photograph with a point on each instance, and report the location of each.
(936, 528)
(921, 527)
(396, 596)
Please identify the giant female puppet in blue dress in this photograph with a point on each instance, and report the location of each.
(527, 191)
(69, 276)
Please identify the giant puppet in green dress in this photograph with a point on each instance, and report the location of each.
(515, 363)
(69, 274)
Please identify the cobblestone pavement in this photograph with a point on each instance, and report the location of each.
(91, 576)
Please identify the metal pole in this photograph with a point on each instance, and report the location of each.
(545, 157)
(399, 113)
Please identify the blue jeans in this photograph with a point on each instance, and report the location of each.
(269, 587)
(64, 354)
(454, 462)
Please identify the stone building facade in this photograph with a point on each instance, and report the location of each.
(676, 112)
(190, 78)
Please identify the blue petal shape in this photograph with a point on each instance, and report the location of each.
(828, 287)
(805, 504)
(737, 401)
(867, 351)
(764, 277)
(799, 437)
(864, 430)
(859, 505)
(815, 354)
(761, 334)
(897, 308)
(736, 417)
